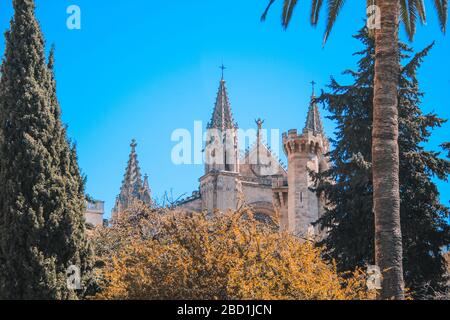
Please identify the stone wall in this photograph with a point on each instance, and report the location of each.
(192, 206)
(94, 218)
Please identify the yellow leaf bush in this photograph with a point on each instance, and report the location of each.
(164, 254)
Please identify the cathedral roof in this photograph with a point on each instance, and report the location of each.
(268, 154)
(260, 154)
(314, 120)
(222, 117)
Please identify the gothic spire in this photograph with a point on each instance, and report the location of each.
(146, 192)
(133, 187)
(222, 117)
(314, 120)
(133, 178)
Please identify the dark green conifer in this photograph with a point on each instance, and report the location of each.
(350, 218)
(42, 204)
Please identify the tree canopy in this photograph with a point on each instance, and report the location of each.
(154, 254)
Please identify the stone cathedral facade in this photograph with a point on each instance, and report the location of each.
(256, 178)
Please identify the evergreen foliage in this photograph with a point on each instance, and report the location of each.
(348, 184)
(42, 203)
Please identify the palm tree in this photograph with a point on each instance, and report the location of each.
(385, 153)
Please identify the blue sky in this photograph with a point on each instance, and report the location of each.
(141, 69)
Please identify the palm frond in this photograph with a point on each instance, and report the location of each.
(442, 11)
(421, 10)
(316, 6)
(288, 9)
(264, 15)
(412, 9)
(334, 7)
(404, 16)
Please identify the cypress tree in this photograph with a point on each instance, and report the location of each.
(348, 184)
(42, 204)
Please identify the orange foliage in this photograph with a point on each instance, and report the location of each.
(175, 255)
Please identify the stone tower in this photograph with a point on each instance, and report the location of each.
(219, 187)
(133, 187)
(221, 152)
(305, 151)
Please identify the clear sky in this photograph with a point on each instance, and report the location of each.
(141, 69)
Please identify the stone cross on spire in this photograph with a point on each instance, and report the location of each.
(313, 83)
(133, 145)
(222, 67)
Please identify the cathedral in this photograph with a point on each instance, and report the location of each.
(256, 178)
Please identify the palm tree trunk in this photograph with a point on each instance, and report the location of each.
(385, 152)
